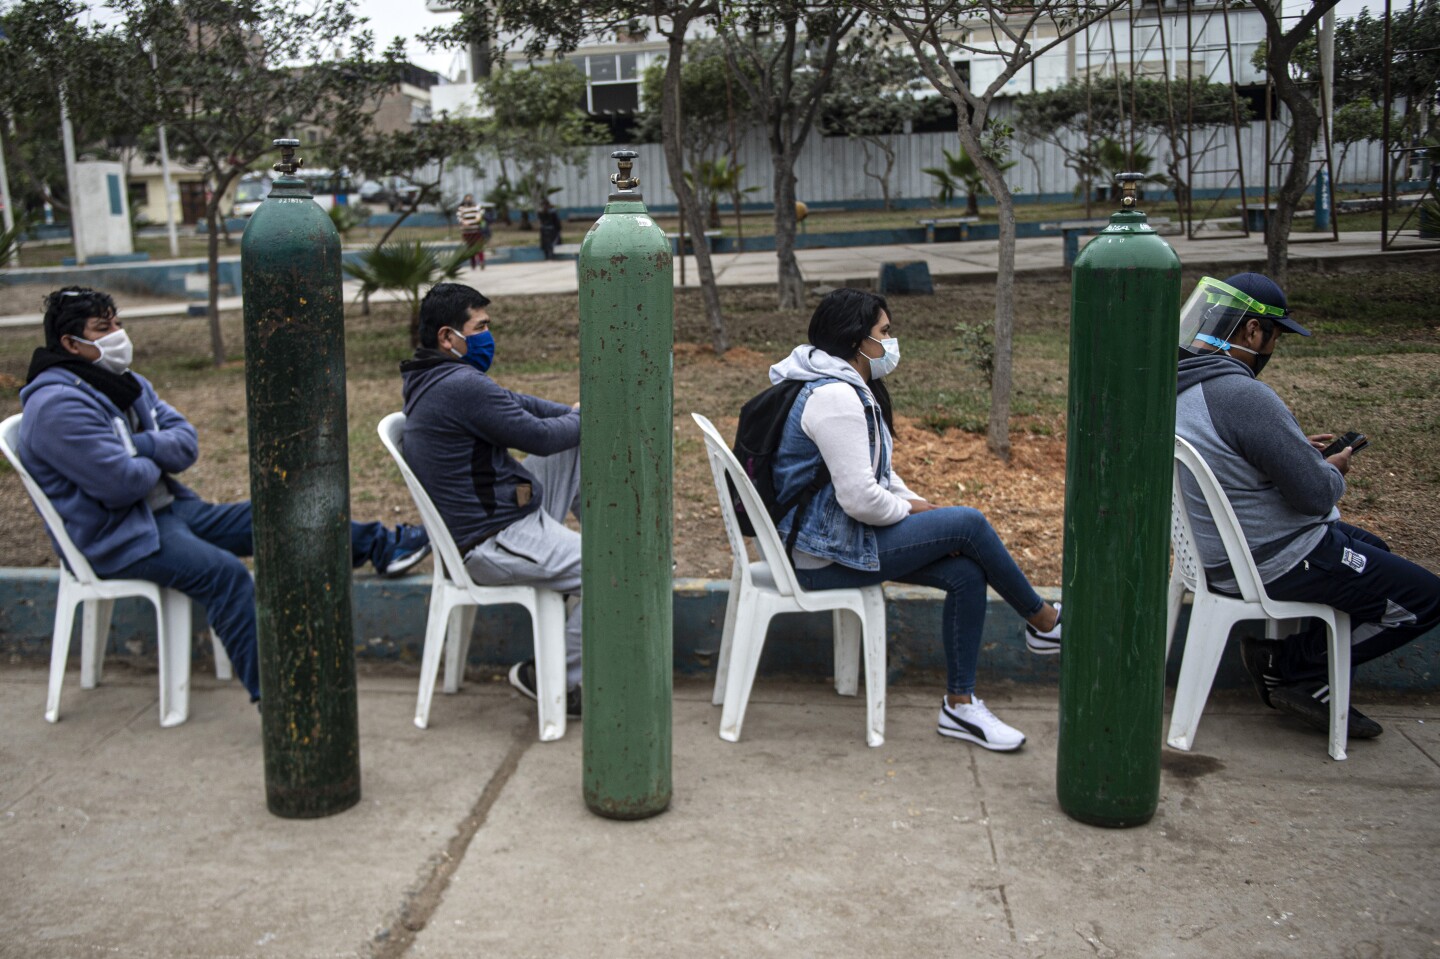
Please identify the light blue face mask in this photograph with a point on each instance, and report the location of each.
(479, 349)
(883, 366)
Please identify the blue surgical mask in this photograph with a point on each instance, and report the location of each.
(882, 366)
(479, 350)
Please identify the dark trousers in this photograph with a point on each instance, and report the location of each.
(200, 544)
(1390, 600)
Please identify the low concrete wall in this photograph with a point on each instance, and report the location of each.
(390, 625)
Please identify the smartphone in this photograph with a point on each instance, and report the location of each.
(1356, 441)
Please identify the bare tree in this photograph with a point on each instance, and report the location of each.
(783, 52)
(1280, 46)
(943, 31)
(544, 28)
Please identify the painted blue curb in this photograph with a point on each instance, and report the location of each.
(390, 626)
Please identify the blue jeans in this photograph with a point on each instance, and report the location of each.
(200, 544)
(954, 549)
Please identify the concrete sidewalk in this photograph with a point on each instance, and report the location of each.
(120, 838)
(860, 265)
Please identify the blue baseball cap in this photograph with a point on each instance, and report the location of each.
(1264, 290)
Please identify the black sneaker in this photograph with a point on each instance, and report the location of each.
(1258, 655)
(1046, 643)
(1310, 703)
(522, 677)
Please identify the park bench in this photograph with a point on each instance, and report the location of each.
(1072, 230)
(674, 238)
(963, 222)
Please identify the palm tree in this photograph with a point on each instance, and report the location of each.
(1113, 158)
(406, 266)
(717, 177)
(960, 170)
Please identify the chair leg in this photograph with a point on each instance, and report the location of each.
(435, 629)
(173, 646)
(875, 675)
(457, 647)
(727, 638)
(94, 635)
(848, 630)
(59, 650)
(224, 671)
(548, 619)
(1174, 599)
(1339, 685)
(1204, 644)
(750, 627)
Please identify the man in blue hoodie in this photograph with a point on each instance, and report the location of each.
(1284, 493)
(107, 450)
(507, 517)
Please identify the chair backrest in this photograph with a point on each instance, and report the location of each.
(1237, 551)
(449, 561)
(772, 550)
(74, 559)
(1182, 538)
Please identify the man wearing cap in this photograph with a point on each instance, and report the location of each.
(108, 451)
(1284, 493)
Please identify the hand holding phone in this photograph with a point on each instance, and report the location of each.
(1356, 442)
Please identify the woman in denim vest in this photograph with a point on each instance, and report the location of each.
(864, 526)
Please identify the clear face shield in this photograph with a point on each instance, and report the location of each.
(1213, 313)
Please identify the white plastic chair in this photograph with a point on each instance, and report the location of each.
(453, 600)
(760, 590)
(1213, 614)
(80, 585)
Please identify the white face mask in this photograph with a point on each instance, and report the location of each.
(116, 351)
(882, 366)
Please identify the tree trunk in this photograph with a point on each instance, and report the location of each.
(1304, 128)
(399, 220)
(212, 247)
(671, 125)
(997, 434)
(791, 283)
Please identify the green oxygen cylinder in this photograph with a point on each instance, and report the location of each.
(300, 494)
(626, 455)
(1125, 298)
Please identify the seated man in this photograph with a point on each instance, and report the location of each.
(507, 517)
(106, 450)
(1284, 493)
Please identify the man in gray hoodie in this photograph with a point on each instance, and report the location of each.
(507, 517)
(1284, 493)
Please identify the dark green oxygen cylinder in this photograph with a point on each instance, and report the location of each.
(300, 494)
(626, 455)
(1125, 300)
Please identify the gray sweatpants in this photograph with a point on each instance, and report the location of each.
(540, 550)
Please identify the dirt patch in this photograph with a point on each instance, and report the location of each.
(1385, 382)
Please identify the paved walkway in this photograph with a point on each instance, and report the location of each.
(472, 839)
(837, 266)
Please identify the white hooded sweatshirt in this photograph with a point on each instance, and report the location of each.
(835, 420)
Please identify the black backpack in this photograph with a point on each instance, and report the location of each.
(757, 439)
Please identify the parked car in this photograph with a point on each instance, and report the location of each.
(391, 191)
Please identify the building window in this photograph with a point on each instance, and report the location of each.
(613, 84)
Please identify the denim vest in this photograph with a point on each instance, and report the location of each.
(826, 530)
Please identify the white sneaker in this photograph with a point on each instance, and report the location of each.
(1046, 643)
(973, 722)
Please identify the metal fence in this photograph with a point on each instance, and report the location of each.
(830, 171)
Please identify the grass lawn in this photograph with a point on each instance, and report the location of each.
(1373, 366)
